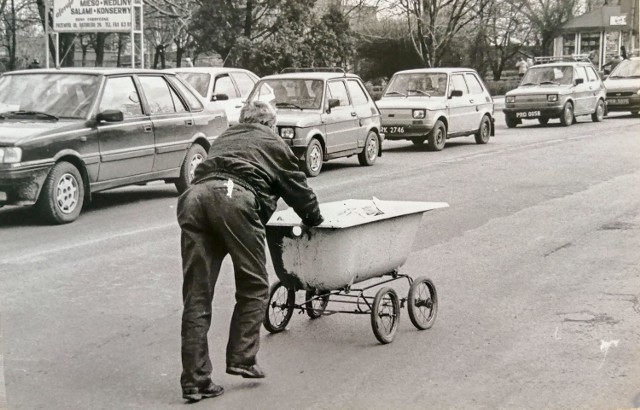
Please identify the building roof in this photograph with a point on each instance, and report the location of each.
(599, 18)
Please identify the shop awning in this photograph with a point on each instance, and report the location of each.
(607, 18)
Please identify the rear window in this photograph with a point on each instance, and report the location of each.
(192, 100)
(199, 81)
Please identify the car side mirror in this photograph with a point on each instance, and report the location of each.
(579, 81)
(110, 116)
(333, 102)
(455, 93)
(219, 97)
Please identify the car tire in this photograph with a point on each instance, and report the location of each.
(313, 158)
(195, 155)
(543, 120)
(567, 118)
(484, 132)
(598, 115)
(437, 137)
(370, 151)
(62, 194)
(511, 122)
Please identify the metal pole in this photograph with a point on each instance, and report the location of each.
(46, 32)
(133, 35)
(57, 36)
(141, 37)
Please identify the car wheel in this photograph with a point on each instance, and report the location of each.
(437, 137)
(598, 115)
(313, 158)
(195, 155)
(370, 152)
(512, 122)
(62, 194)
(567, 118)
(543, 120)
(484, 132)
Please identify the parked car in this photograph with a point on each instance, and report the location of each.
(623, 87)
(435, 104)
(222, 88)
(324, 115)
(66, 134)
(563, 89)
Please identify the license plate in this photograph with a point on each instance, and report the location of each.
(618, 101)
(393, 130)
(528, 114)
(3, 196)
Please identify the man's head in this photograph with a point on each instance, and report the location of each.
(258, 112)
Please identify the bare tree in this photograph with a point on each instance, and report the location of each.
(547, 18)
(434, 24)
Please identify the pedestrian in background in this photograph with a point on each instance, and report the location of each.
(233, 194)
(34, 64)
(623, 53)
(521, 65)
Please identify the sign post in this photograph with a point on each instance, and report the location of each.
(92, 16)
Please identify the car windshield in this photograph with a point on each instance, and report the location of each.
(627, 69)
(291, 93)
(62, 95)
(417, 84)
(199, 81)
(561, 75)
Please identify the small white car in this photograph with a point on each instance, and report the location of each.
(434, 104)
(222, 88)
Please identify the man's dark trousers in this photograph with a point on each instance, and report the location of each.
(218, 217)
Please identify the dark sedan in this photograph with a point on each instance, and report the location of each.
(65, 134)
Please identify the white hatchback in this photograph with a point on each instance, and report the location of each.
(222, 88)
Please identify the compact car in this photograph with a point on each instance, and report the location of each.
(323, 115)
(66, 134)
(623, 87)
(435, 104)
(222, 88)
(563, 90)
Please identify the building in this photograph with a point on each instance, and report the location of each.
(602, 32)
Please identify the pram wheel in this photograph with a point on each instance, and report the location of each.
(385, 315)
(422, 303)
(281, 302)
(315, 303)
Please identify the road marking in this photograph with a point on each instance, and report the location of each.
(604, 347)
(35, 255)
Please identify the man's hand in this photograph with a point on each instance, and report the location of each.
(313, 222)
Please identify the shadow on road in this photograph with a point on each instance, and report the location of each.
(13, 216)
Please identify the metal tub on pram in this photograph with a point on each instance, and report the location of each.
(358, 241)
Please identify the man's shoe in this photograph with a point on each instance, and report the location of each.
(194, 394)
(248, 372)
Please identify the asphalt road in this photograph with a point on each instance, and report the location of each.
(536, 264)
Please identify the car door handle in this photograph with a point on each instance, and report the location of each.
(471, 101)
(148, 128)
(353, 114)
(238, 106)
(188, 123)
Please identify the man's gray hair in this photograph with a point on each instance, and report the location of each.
(258, 112)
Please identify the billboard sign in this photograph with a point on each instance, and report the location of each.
(618, 20)
(78, 16)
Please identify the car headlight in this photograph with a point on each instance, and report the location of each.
(552, 97)
(10, 155)
(419, 114)
(286, 132)
(510, 98)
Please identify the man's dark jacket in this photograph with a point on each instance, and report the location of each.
(254, 157)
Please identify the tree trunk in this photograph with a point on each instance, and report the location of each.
(100, 41)
(119, 56)
(12, 49)
(248, 18)
(179, 54)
